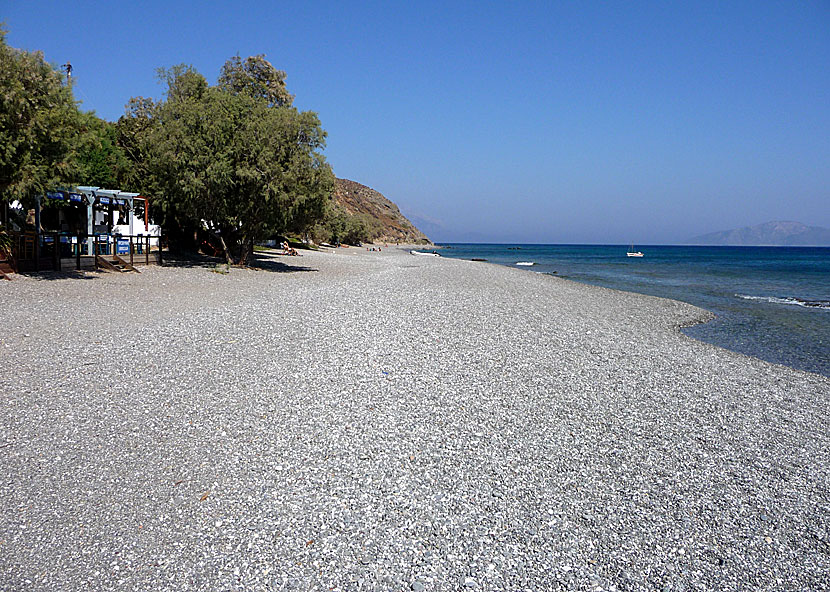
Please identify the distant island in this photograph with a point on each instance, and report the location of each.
(774, 234)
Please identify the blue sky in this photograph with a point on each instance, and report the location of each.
(511, 122)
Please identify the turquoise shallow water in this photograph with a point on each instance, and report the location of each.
(771, 302)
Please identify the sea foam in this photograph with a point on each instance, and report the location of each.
(805, 302)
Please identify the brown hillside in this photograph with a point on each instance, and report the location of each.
(359, 199)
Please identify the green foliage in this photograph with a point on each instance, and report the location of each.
(38, 122)
(97, 158)
(338, 226)
(256, 77)
(183, 82)
(236, 158)
(132, 132)
(243, 162)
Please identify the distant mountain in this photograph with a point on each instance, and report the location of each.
(777, 234)
(361, 200)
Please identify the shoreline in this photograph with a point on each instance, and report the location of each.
(389, 421)
(752, 317)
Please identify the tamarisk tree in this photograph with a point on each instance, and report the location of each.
(38, 123)
(236, 158)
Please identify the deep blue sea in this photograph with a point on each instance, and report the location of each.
(771, 302)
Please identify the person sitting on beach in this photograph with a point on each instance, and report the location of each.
(289, 250)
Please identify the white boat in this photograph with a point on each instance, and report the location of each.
(422, 253)
(632, 252)
(525, 263)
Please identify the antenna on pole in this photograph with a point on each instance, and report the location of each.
(68, 69)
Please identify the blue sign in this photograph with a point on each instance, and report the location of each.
(76, 197)
(104, 200)
(120, 202)
(54, 195)
(122, 246)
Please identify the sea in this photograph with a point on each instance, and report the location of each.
(771, 302)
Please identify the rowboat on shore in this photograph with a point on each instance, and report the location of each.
(422, 253)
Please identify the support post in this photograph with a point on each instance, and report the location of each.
(90, 220)
(131, 243)
(78, 253)
(147, 251)
(37, 233)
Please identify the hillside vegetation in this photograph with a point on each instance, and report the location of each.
(362, 214)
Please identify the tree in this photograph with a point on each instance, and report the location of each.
(132, 132)
(97, 158)
(256, 77)
(242, 162)
(38, 121)
(183, 82)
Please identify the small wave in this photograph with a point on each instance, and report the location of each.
(805, 302)
(526, 263)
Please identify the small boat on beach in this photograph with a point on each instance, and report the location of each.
(632, 253)
(525, 263)
(422, 253)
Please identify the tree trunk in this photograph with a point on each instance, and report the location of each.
(246, 252)
(228, 257)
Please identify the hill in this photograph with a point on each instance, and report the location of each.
(769, 234)
(359, 200)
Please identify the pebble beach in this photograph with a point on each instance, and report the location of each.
(357, 420)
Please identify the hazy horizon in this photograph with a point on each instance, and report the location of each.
(572, 124)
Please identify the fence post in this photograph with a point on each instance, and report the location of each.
(131, 249)
(56, 254)
(78, 254)
(147, 251)
(161, 261)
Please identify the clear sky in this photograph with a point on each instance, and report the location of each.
(510, 121)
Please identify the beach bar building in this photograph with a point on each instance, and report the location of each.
(84, 228)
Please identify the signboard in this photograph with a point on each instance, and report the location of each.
(54, 195)
(76, 197)
(120, 202)
(122, 247)
(104, 200)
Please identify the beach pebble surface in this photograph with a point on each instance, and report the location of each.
(378, 421)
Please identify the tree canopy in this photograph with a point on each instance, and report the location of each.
(235, 157)
(38, 124)
(255, 76)
(97, 159)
